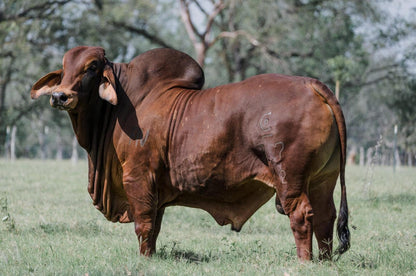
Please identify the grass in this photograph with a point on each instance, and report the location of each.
(49, 226)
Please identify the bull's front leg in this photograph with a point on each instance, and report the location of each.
(147, 232)
(143, 207)
(143, 226)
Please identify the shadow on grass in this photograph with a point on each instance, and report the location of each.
(364, 262)
(189, 256)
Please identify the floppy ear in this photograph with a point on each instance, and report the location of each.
(46, 84)
(107, 89)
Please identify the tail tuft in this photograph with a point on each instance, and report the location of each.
(343, 231)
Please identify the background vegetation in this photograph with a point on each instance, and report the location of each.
(50, 227)
(362, 49)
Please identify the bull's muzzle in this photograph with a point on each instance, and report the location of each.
(59, 100)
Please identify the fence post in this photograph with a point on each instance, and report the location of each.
(74, 156)
(13, 144)
(394, 148)
(7, 144)
(59, 147)
(362, 156)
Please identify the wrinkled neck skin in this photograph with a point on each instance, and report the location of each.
(93, 124)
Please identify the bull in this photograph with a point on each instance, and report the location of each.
(155, 139)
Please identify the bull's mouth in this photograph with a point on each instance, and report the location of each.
(60, 107)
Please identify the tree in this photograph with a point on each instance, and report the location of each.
(34, 35)
(404, 104)
(350, 45)
(24, 32)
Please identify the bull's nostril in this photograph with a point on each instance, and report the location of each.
(63, 98)
(59, 97)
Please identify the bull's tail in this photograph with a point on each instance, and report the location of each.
(342, 225)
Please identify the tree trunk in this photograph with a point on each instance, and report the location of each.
(201, 40)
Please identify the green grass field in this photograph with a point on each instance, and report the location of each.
(49, 226)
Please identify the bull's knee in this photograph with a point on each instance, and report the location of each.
(301, 222)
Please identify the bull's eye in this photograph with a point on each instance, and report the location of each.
(92, 67)
(89, 77)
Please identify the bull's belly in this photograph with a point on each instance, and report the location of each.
(233, 204)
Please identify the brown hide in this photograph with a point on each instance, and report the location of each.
(155, 139)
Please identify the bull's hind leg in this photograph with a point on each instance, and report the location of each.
(321, 196)
(292, 200)
(301, 224)
(291, 194)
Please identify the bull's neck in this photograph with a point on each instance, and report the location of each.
(94, 125)
(91, 123)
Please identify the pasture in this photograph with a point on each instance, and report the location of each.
(49, 226)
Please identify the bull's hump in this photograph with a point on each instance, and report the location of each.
(169, 67)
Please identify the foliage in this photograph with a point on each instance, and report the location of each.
(404, 105)
(358, 44)
(58, 231)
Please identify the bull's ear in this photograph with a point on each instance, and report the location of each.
(46, 84)
(107, 89)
